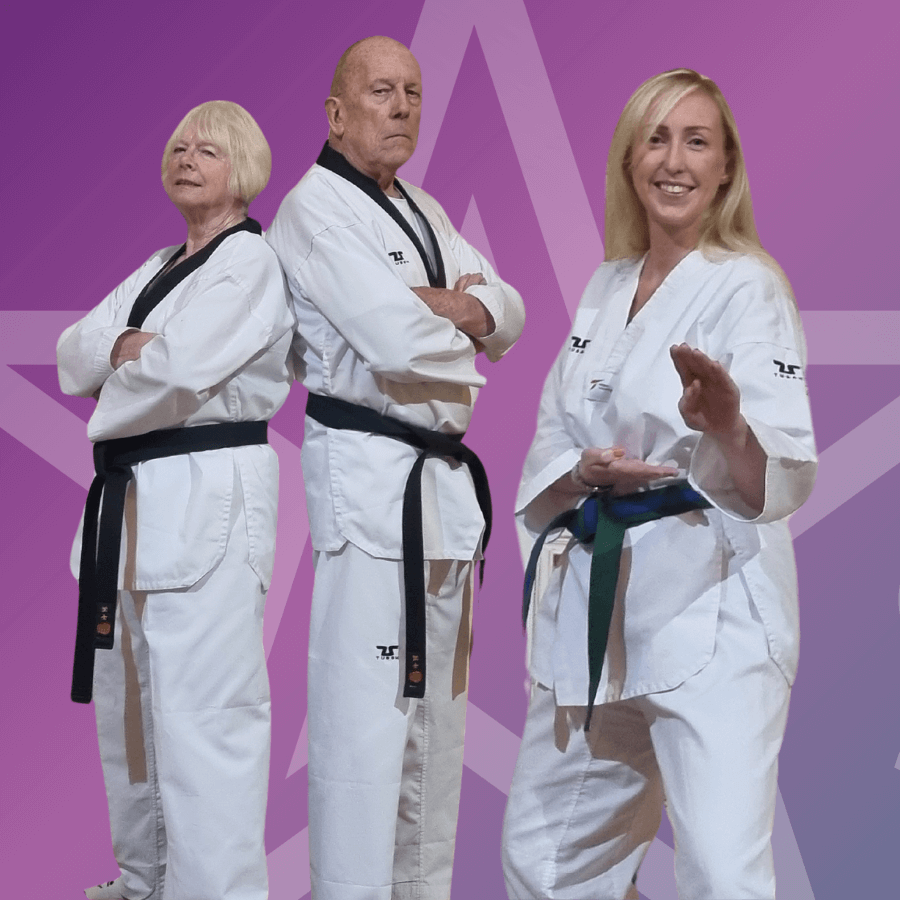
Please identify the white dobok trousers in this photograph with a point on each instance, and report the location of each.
(584, 808)
(384, 770)
(183, 720)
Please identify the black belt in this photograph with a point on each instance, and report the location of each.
(602, 520)
(98, 576)
(335, 413)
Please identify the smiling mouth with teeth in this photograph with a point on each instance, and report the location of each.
(672, 188)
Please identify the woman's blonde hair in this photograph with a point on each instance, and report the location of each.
(727, 224)
(232, 128)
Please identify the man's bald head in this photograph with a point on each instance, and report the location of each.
(375, 106)
(355, 56)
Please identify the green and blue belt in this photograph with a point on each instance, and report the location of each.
(602, 521)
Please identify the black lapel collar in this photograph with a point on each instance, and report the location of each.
(335, 162)
(166, 281)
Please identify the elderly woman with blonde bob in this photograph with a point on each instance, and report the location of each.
(673, 441)
(188, 360)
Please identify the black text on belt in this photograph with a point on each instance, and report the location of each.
(99, 570)
(335, 413)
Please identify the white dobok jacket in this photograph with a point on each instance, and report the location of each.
(614, 384)
(365, 337)
(221, 355)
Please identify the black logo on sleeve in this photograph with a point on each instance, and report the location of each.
(787, 370)
(397, 256)
(387, 652)
(579, 345)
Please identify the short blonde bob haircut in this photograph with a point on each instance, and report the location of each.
(727, 224)
(235, 131)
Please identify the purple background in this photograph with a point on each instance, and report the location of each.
(530, 98)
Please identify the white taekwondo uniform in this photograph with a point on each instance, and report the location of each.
(384, 770)
(702, 598)
(187, 791)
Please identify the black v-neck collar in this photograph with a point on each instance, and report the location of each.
(166, 280)
(336, 162)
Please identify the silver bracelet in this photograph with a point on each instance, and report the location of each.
(575, 475)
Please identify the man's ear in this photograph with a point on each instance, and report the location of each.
(335, 112)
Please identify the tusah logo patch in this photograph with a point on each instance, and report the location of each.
(787, 370)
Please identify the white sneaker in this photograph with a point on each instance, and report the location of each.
(112, 890)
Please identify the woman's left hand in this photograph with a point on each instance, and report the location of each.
(711, 401)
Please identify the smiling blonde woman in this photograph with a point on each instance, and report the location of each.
(673, 441)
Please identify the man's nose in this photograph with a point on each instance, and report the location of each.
(401, 105)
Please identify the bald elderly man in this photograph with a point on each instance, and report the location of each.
(392, 308)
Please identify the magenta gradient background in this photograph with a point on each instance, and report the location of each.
(92, 92)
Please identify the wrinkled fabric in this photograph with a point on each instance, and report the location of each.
(182, 700)
(614, 385)
(365, 337)
(221, 355)
(384, 770)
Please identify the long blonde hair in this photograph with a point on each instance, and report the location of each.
(727, 224)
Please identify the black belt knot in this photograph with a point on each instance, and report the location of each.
(101, 537)
(333, 412)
